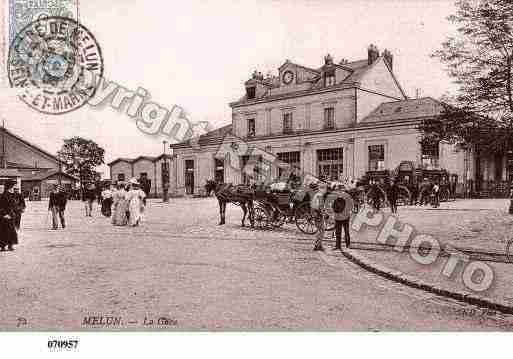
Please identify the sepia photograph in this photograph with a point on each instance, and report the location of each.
(313, 166)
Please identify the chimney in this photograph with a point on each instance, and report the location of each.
(328, 60)
(373, 53)
(389, 58)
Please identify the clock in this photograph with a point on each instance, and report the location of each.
(288, 76)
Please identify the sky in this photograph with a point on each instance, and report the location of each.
(198, 54)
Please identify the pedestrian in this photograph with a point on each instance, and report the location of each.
(414, 189)
(107, 201)
(393, 195)
(342, 209)
(375, 195)
(436, 195)
(57, 205)
(425, 190)
(135, 203)
(20, 207)
(8, 234)
(120, 205)
(318, 212)
(88, 197)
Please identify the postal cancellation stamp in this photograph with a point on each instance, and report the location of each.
(56, 62)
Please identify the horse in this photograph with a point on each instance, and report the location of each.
(228, 193)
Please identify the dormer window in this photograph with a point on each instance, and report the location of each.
(251, 92)
(251, 127)
(329, 79)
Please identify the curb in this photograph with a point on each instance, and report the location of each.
(414, 282)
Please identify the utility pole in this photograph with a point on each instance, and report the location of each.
(4, 162)
(165, 175)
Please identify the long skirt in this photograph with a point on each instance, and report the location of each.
(119, 217)
(106, 207)
(135, 208)
(8, 235)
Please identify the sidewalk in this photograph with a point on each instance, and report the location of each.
(480, 228)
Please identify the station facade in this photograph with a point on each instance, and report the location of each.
(337, 121)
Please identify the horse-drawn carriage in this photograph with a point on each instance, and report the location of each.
(409, 179)
(272, 206)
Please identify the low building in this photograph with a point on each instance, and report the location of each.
(33, 168)
(41, 183)
(145, 167)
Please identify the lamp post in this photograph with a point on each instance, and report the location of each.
(165, 175)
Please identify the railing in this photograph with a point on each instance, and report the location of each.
(495, 189)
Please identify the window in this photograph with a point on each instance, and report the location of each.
(331, 164)
(498, 167)
(287, 122)
(251, 93)
(430, 154)
(121, 177)
(329, 79)
(251, 127)
(376, 157)
(219, 170)
(329, 118)
(291, 158)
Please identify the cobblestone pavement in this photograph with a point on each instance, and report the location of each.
(181, 266)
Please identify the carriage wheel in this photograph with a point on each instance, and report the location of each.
(444, 195)
(261, 218)
(305, 222)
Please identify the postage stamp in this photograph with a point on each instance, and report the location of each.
(57, 63)
(16, 14)
(23, 12)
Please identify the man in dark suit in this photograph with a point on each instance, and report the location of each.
(57, 205)
(88, 197)
(20, 207)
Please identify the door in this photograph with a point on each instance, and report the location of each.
(189, 176)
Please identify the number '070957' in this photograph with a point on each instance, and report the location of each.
(62, 344)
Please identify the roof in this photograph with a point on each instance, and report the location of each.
(136, 159)
(35, 147)
(211, 137)
(405, 109)
(356, 68)
(10, 172)
(42, 175)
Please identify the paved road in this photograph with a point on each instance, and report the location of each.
(182, 266)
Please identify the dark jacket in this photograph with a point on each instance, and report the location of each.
(8, 235)
(393, 192)
(20, 202)
(89, 194)
(57, 199)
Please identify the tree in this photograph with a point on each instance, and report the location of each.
(480, 60)
(81, 156)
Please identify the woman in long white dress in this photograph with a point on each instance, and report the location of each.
(120, 206)
(135, 203)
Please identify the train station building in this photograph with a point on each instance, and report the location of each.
(339, 121)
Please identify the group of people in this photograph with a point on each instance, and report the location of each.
(424, 193)
(127, 202)
(12, 205)
(124, 202)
